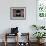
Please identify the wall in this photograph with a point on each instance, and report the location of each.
(24, 25)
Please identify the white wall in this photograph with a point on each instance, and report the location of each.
(24, 25)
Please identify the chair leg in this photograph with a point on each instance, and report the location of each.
(5, 43)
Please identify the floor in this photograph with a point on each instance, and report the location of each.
(13, 44)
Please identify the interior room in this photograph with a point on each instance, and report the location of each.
(22, 22)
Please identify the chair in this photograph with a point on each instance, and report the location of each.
(7, 35)
(14, 32)
(25, 37)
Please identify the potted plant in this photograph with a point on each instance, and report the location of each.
(39, 35)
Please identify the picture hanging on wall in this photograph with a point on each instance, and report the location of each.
(17, 13)
(41, 8)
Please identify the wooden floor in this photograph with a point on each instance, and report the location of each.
(13, 44)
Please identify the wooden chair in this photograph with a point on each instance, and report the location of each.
(8, 34)
(26, 37)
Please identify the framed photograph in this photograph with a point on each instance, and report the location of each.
(17, 13)
(41, 12)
